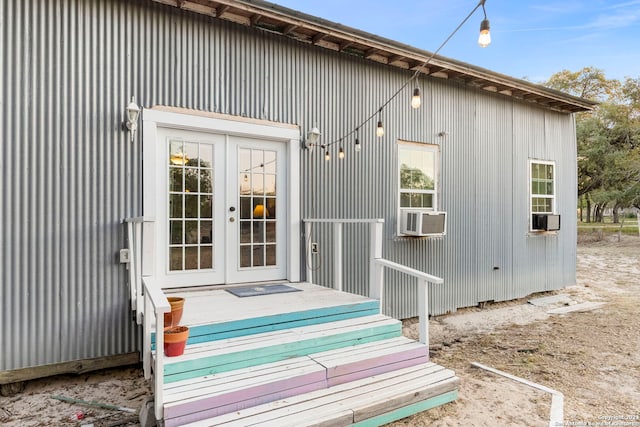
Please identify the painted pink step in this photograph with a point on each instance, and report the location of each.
(353, 363)
(214, 395)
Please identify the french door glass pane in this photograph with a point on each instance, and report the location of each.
(191, 201)
(258, 201)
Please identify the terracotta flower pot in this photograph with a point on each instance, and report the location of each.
(175, 339)
(177, 307)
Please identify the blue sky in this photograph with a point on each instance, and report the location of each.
(530, 39)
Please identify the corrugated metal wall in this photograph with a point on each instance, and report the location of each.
(69, 174)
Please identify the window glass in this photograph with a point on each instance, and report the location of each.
(542, 187)
(258, 169)
(191, 202)
(417, 166)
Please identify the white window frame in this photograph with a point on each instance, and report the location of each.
(418, 146)
(532, 195)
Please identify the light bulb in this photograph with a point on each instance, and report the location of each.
(246, 178)
(357, 146)
(341, 154)
(485, 36)
(415, 100)
(379, 129)
(327, 156)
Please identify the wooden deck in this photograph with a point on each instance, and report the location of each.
(216, 305)
(314, 357)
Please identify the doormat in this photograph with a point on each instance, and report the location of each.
(252, 291)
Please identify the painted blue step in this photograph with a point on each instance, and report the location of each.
(252, 350)
(214, 395)
(217, 314)
(278, 322)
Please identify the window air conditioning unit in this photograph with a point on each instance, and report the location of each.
(546, 222)
(421, 223)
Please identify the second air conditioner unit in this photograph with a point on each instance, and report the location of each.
(423, 223)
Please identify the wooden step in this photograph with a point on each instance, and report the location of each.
(209, 396)
(371, 401)
(352, 363)
(252, 350)
(194, 399)
(217, 314)
(278, 322)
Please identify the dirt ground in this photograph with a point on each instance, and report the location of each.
(592, 357)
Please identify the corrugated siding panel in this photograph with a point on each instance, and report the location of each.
(66, 182)
(70, 174)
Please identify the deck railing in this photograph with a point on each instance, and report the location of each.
(156, 304)
(148, 301)
(140, 238)
(377, 264)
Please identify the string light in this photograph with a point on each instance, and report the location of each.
(484, 41)
(341, 154)
(379, 128)
(415, 99)
(485, 36)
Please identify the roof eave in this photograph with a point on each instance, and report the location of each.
(310, 29)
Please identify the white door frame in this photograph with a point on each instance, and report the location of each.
(192, 120)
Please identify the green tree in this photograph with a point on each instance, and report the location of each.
(608, 140)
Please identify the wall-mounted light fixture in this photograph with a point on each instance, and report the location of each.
(133, 111)
(312, 138)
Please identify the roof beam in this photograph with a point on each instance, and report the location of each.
(440, 74)
(222, 9)
(318, 38)
(255, 18)
(345, 45)
(370, 52)
(288, 29)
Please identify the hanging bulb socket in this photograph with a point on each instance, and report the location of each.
(341, 154)
(415, 99)
(485, 36)
(357, 146)
(327, 156)
(380, 129)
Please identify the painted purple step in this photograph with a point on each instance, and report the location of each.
(352, 363)
(215, 395)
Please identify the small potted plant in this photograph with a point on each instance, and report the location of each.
(175, 340)
(177, 307)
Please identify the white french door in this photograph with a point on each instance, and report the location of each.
(256, 214)
(221, 211)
